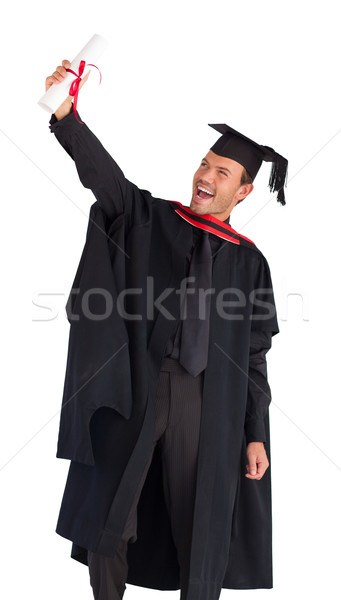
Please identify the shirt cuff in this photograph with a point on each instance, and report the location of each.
(68, 121)
(255, 431)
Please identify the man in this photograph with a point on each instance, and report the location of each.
(166, 395)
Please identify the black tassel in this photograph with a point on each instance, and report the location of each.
(278, 176)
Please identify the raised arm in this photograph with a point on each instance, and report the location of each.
(97, 170)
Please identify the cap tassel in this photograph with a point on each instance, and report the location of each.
(278, 177)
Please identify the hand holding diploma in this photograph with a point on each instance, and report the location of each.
(57, 77)
(70, 82)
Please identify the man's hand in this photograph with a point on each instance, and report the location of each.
(258, 460)
(56, 77)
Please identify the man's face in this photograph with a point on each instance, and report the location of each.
(216, 186)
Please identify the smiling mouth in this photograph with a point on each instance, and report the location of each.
(203, 194)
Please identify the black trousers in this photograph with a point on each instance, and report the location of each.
(177, 430)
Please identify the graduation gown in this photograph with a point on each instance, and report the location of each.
(123, 308)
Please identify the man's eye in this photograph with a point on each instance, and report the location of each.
(223, 173)
(203, 164)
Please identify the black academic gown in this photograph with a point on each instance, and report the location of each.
(138, 243)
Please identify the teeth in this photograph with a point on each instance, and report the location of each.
(204, 190)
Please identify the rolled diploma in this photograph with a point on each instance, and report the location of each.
(57, 93)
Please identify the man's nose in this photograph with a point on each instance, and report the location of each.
(209, 177)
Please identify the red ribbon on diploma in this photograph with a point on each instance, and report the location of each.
(74, 88)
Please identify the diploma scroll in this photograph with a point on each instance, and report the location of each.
(57, 93)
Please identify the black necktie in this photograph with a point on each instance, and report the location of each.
(195, 324)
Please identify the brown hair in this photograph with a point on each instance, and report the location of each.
(245, 177)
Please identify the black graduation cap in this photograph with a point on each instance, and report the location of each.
(248, 153)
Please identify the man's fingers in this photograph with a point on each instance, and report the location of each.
(256, 472)
(253, 466)
(62, 71)
(258, 475)
(55, 78)
(59, 75)
(49, 81)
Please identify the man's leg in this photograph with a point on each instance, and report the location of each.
(109, 575)
(180, 444)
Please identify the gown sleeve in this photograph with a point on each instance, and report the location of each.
(98, 171)
(98, 369)
(263, 327)
(259, 394)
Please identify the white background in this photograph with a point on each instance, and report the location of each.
(270, 70)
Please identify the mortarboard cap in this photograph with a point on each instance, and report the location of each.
(248, 153)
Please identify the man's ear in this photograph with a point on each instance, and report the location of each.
(244, 191)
